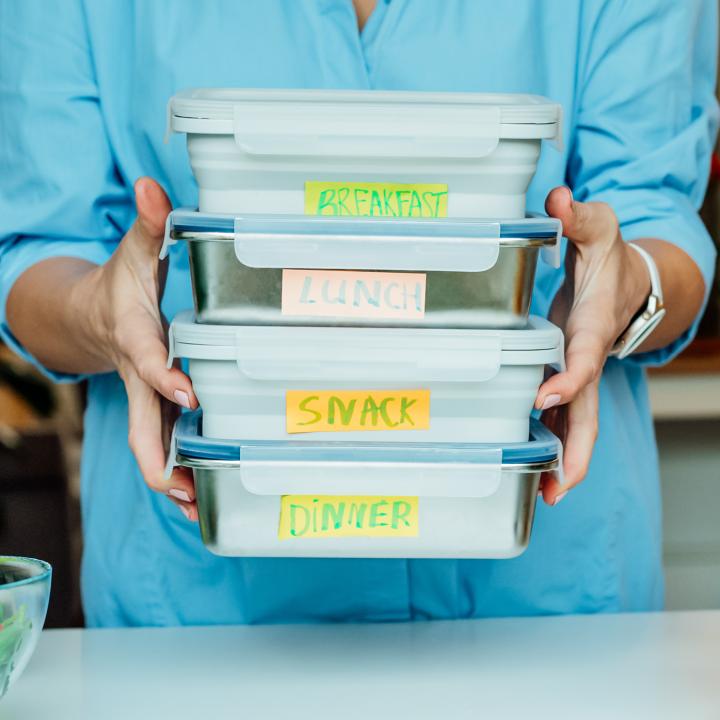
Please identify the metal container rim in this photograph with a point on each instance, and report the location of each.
(522, 242)
(209, 464)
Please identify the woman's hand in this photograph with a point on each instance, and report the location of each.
(130, 286)
(131, 333)
(605, 285)
(78, 317)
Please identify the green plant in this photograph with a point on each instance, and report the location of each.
(13, 630)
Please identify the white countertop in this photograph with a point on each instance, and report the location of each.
(664, 665)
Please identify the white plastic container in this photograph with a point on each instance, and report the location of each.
(299, 383)
(256, 150)
(285, 499)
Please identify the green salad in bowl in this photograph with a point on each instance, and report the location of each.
(24, 595)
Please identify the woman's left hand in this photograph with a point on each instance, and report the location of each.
(605, 285)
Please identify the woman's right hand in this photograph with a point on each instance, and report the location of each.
(129, 332)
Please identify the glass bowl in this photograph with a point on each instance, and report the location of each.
(24, 596)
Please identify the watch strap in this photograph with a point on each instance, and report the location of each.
(649, 317)
(655, 284)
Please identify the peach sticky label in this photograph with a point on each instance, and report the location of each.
(324, 516)
(309, 411)
(353, 294)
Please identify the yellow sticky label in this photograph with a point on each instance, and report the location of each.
(376, 199)
(323, 516)
(309, 411)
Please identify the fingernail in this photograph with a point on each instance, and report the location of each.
(185, 511)
(551, 401)
(570, 195)
(540, 492)
(182, 398)
(179, 495)
(560, 497)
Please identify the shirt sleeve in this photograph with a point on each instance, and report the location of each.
(60, 192)
(646, 123)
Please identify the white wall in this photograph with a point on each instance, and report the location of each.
(690, 470)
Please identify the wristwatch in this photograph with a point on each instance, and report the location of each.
(648, 318)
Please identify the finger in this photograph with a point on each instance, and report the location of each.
(148, 231)
(189, 510)
(145, 440)
(552, 491)
(562, 302)
(181, 476)
(582, 222)
(187, 503)
(170, 413)
(545, 479)
(153, 207)
(584, 360)
(554, 420)
(148, 356)
(581, 433)
(144, 431)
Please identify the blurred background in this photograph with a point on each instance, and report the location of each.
(41, 433)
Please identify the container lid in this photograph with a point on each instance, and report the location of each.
(365, 354)
(219, 103)
(188, 223)
(353, 123)
(338, 468)
(361, 243)
(541, 447)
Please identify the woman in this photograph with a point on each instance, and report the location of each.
(83, 88)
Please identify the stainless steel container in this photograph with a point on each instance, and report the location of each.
(397, 273)
(469, 501)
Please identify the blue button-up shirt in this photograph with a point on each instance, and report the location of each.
(83, 92)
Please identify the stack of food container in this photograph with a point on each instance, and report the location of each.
(360, 345)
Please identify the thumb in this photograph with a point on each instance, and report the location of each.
(582, 222)
(153, 207)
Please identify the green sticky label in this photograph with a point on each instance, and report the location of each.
(370, 199)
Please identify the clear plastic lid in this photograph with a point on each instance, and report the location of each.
(343, 468)
(353, 123)
(366, 354)
(261, 341)
(219, 103)
(187, 222)
(541, 447)
(431, 244)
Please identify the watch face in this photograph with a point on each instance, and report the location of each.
(639, 335)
